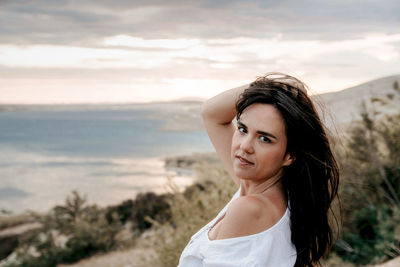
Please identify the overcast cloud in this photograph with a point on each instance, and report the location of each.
(99, 51)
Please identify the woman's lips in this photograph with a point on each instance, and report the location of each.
(244, 161)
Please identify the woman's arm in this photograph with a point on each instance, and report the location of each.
(218, 113)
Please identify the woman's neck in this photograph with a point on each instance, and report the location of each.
(251, 187)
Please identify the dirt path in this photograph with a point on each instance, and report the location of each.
(392, 263)
(135, 257)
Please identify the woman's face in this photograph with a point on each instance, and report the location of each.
(258, 149)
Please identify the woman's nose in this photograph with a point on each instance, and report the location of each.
(247, 144)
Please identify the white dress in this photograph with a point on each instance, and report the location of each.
(272, 247)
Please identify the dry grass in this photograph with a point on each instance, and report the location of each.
(7, 221)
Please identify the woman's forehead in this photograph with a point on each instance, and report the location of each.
(263, 117)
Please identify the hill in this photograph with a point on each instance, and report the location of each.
(345, 105)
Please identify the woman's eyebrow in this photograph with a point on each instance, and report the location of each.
(259, 132)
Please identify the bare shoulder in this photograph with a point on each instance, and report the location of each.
(250, 206)
(248, 215)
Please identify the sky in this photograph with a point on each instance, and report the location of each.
(82, 51)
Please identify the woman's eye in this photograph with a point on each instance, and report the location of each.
(265, 139)
(241, 129)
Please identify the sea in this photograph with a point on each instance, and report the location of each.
(107, 153)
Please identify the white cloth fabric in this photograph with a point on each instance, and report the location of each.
(272, 247)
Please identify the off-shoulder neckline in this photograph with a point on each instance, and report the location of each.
(283, 219)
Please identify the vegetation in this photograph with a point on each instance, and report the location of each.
(142, 211)
(77, 230)
(68, 233)
(370, 190)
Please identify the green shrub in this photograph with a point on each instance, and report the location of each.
(70, 232)
(146, 205)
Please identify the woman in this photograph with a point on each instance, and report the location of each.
(279, 156)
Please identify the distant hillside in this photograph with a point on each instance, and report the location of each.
(345, 105)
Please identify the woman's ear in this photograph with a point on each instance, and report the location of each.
(289, 159)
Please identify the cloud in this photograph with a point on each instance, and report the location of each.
(129, 41)
(82, 22)
(126, 50)
(122, 70)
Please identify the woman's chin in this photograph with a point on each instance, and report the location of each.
(245, 175)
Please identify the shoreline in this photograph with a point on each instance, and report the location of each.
(108, 184)
(184, 166)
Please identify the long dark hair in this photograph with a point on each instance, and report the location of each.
(311, 181)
